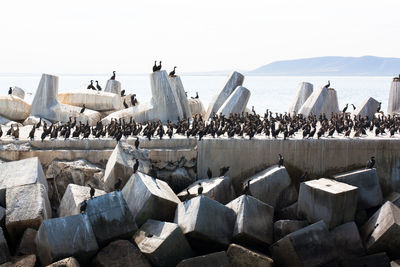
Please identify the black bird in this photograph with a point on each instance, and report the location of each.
(83, 108)
(122, 93)
(1, 131)
(32, 133)
(209, 173)
(155, 66)
(137, 143)
(133, 100)
(379, 107)
(172, 73)
(223, 171)
(159, 67)
(303, 177)
(39, 123)
(370, 163)
(136, 166)
(113, 76)
(345, 108)
(10, 91)
(90, 86)
(196, 97)
(83, 206)
(280, 162)
(246, 189)
(354, 107)
(125, 104)
(98, 86)
(199, 189)
(327, 85)
(92, 191)
(117, 184)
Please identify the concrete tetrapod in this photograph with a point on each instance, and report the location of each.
(196, 107)
(14, 108)
(16, 91)
(347, 241)
(99, 101)
(367, 108)
(236, 102)
(304, 90)
(213, 259)
(394, 98)
(177, 86)
(113, 86)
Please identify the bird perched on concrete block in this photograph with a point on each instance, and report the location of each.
(92, 191)
(155, 66)
(199, 189)
(90, 86)
(10, 91)
(280, 162)
(137, 143)
(117, 185)
(172, 73)
(83, 108)
(98, 86)
(246, 189)
(136, 166)
(83, 206)
(113, 76)
(370, 163)
(125, 104)
(327, 85)
(223, 171)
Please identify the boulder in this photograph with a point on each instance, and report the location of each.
(4, 252)
(219, 189)
(347, 241)
(369, 191)
(240, 256)
(27, 207)
(196, 107)
(285, 227)
(367, 108)
(273, 186)
(73, 197)
(46, 105)
(110, 218)
(193, 216)
(214, 259)
(254, 221)
(324, 199)
(149, 198)
(16, 91)
(14, 108)
(27, 244)
(99, 101)
(163, 243)
(304, 90)
(68, 262)
(24, 261)
(177, 86)
(236, 102)
(60, 238)
(375, 260)
(394, 98)
(120, 253)
(309, 246)
(234, 80)
(113, 86)
(381, 233)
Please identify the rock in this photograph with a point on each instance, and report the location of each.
(394, 98)
(193, 216)
(381, 233)
(375, 260)
(14, 108)
(27, 207)
(367, 108)
(196, 107)
(99, 101)
(24, 261)
(177, 86)
(254, 221)
(234, 80)
(120, 253)
(309, 246)
(73, 197)
(393, 197)
(110, 218)
(46, 105)
(241, 256)
(149, 198)
(68, 262)
(285, 227)
(19, 92)
(369, 191)
(18, 173)
(214, 259)
(4, 252)
(163, 243)
(328, 200)
(113, 86)
(273, 186)
(236, 102)
(219, 189)
(64, 237)
(288, 213)
(347, 241)
(304, 90)
(27, 244)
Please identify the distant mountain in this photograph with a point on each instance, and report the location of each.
(332, 66)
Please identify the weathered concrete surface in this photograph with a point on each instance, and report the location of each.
(367, 108)
(324, 199)
(254, 221)
(73, 197)
(163, 243)
(310, 246)
(236, 102)
(110, 218)
(14, 108)
(27, 244)
(394, 98)
(314, 102)
(19, 92)
(285, 227)
(99, 101)
(393, 197)
(213, 259)
(4, 251)
(68, 262)
(331, 103)
(304, 90)
(23, 261)
(347, 241)
(60, 238)
(196, 107)
(376, 260)
(34, 120)
(273, 186)
(369, 191)
(241, 256)
(113, 86)
(234, 80)
(177, 86)
(288, 213)
(149, 198)
(2, 216)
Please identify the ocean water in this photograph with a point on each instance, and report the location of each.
(273, 92)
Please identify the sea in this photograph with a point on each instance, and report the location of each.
(275, 93)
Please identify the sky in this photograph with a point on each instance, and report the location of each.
(197, 36)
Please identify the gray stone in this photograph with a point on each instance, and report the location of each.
(27, 244)
(73, 197)
(273, 186)
(163, 243)
(328, 200)
(375, 260)
(393, 197)
(347, 241)
(16, 91)
(234, 80)
(113, 86)
(309, 246)
(196, 107)
(394, 98)
(4, 252)
(177, 86)
(240, 256)
(285, 227)
(68, 262)
(369, 191)
(110, 217)
(236, 102)
(149, 198)
(304, 90)
(213, 259)
(367, 108)
(193, 216)
(14, 108)
(27, 207)
(254, 221)
(60, 238)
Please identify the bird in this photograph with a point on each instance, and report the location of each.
(354, 107)
(209, 173)
(83, 108)
(370, 163)
(137, 143)
(136, 166)
(327, 85)
(159, 67)
(92, 191)
(113, 76)
(280, 162)
(117, 184)
(199, 189)
(83, 206)
(246, 189)
(379, 107)
(10, 91)
(155, 66)
(90, 86)
(345, 108)
(1, 131)
(32, 133)
(172, 73)
(39, 123)
(125, 104)
(133, 100)
(223, 171)
(303, 177)
(98, 86)
(122, 93)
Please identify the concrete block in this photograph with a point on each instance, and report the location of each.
(285, 227)
(369, 191)
(236, 102)
(273, 186)
(288, 213)
(309, 246)
(324, 199)
(314, 102)
(73, 197)
(67, 262)
(27, 207)
(14, 108)
(177, 86)
(16, 91)
(375, 260)
(347, 241)
(113, 86)
(4, 251)
(24, 261)
(99, 101)
(393, 197)
(367, 108)
(331, 103)
(27, 244)
(304, 90)
(60, 238)
(219, 189)
(149, 198)
(163, 243)
(234, 80)
(213, 259)
(2, 216)
(254, 221)
(193, 217)
(110, 218)
(196, 107)
(241, 256)
(394, 98)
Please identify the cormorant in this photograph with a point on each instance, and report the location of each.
(83, 206)
(122, 93)
(303, 177)
(345, 108)
(199, 189)
(117, 184)
(136, 166)
(32, 133)
(137, 143)
(246, 189)
(370, 163)
(159, 66)
(39, 123)
(209, 173)
(113, 76)
(10, 91)
(98, 86)
(155, 66)
(1, 131)
(354, 107)
(327, 85)
(172, 73)
(223, 171)
(379, 107)
(280, 162)
(125, 104)
(92, 191)
(83, 108)
(90, 86)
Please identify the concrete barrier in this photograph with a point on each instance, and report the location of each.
(99, 101)
(304, 90)
(394, 98)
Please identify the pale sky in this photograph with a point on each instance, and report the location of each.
(127, 36)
